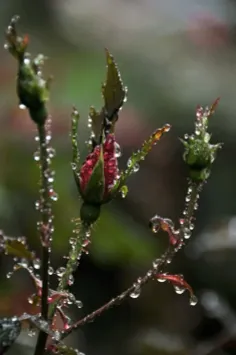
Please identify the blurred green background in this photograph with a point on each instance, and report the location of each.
(173, 55)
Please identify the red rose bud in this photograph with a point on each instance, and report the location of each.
(97, 177)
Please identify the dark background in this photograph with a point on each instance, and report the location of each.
(173, 55)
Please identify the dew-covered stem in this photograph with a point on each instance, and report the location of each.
(45, 227)
(78, 244)
(45, 230)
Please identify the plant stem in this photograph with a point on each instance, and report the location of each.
(83, 233)
(45, 233)
(165, 260)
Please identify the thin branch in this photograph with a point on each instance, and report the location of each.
(45, 229)
(158, 266)
(78, 243)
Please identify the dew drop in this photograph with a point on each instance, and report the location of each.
(117, 150)
(179, 290)
(51, 152)
(136, 168)
(79, 304)
(53, 195)
(73, 166)
(9, 275)
(187, 199)
(136, 292)
(70, 280)
(22, 107)
(37, 205)
(187, 233)
(37, 263)
(24, 262)
(161, 279)
(60, 271)
(193, 300)
(37, 156)
(156, 263)
(50, 270)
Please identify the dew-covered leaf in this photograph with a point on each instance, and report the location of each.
(113, 90)
(138, 156)
(9, 330)
(16, 248)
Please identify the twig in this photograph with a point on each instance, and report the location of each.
(158, 266)
(45, 232)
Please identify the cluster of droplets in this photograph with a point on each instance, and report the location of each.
(47, 193)
(133, 167)
(191, 204)
(136, 288)
(179, 285)
(165, 224)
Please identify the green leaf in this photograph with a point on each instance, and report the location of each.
(113, 90)
(17, 249)
(138, 156)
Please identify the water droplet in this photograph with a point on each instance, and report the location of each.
(156, 263)
(53, 195)
(70, 280)
(79, 304)
(129, 162)
(187, 233)
(124, 191)
(37, 156)
(161, 279)
(179, 290)
(24, 262)
(27, 61)
(22, 107)
(117, 150)
(136, 168)
(191, 227)
(51, 152)
(60, 271)
(193, 300)
(73, 166)
(9, 275)
(37, 263)
(187, 199)
(136, 292)
(37, 205)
